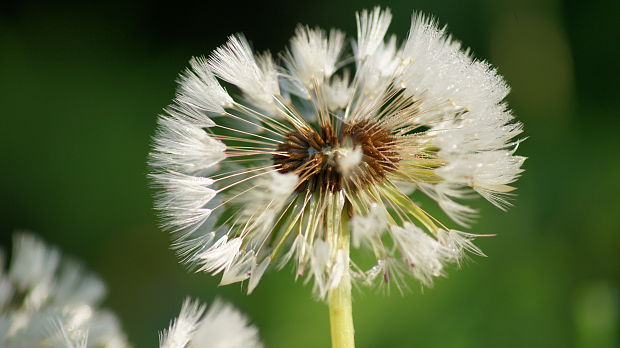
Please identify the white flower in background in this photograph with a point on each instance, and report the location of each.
(222, 326)
(317, 151)
(50, 301)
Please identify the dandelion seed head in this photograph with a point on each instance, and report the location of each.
(218, 326)
(47, 300)
(327, 147)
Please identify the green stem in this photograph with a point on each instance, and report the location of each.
(340, 308)
(341, 315)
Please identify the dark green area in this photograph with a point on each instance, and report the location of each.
(80, 86)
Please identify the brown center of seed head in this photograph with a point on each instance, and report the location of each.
(315, 156)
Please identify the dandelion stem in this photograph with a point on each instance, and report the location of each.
(341, 315)
(340, 307)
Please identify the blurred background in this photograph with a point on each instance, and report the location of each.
(81, 85)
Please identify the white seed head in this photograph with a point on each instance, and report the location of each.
(221, 326)
(330, 146)
(47, 300)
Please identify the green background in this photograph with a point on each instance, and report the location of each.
(81, 85)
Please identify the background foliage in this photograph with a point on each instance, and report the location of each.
(81, 84)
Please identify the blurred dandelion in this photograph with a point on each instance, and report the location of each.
(222, 326)
(50, 301)
(322, 151)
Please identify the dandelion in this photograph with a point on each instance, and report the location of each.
(321, 149)
(222, 326)
(50, 301)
